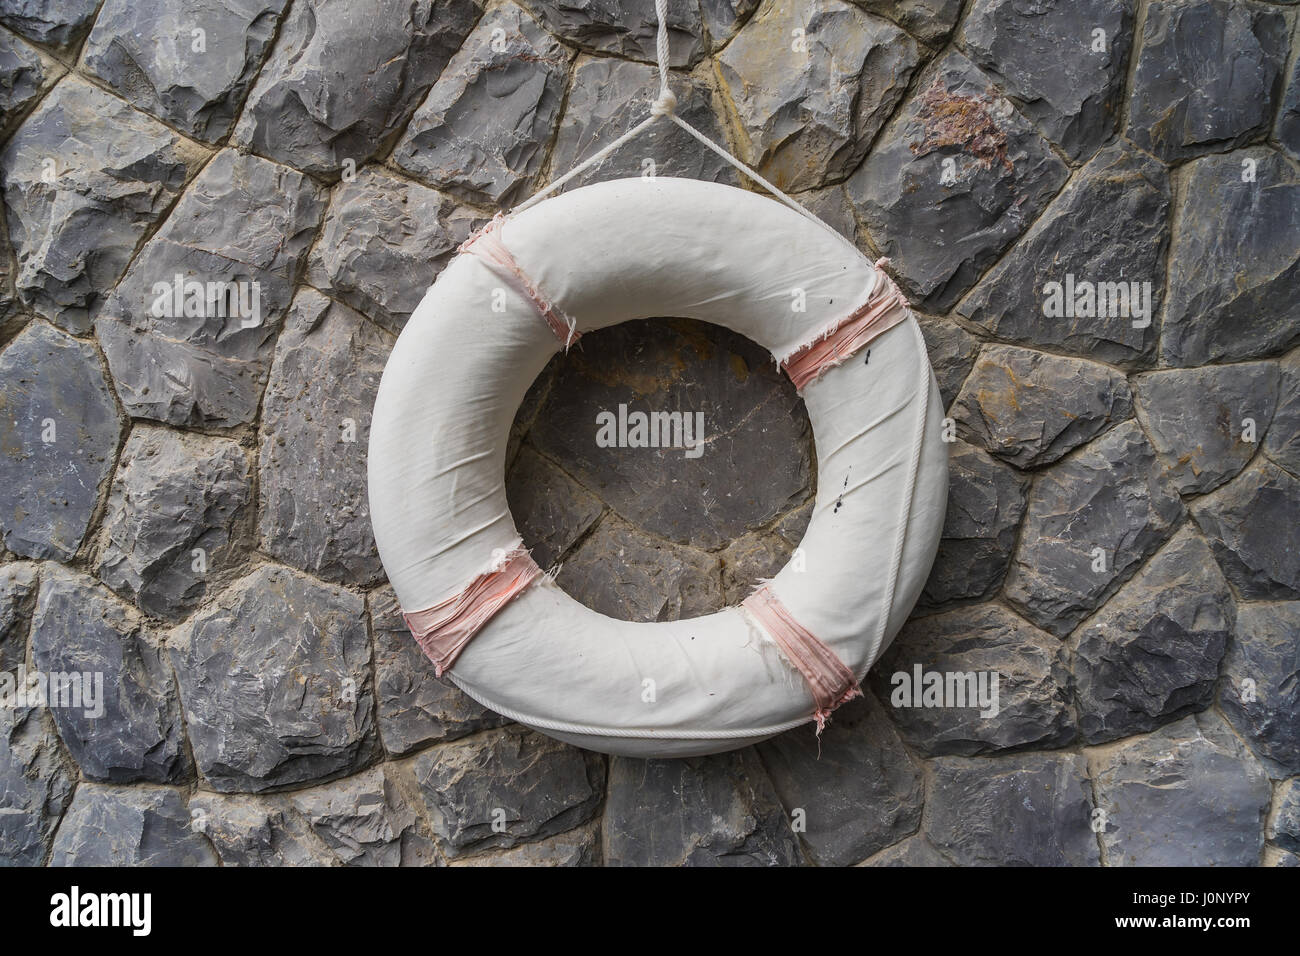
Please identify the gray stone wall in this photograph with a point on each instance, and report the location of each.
(182, 491)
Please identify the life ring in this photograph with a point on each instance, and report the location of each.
(638, 248)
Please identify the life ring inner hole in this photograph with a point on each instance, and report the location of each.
(666, 465)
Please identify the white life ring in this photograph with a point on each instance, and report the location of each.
(597, 256)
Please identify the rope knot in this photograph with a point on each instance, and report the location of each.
(666, 103)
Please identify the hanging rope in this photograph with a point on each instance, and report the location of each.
(665, 106)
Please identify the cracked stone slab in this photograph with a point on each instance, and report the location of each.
(275, 680)
(856, 790)
(683, 366)
(1250, 523)
(622, 572)
(189, 63)
(1108, 229)
(35, 785)
(952, 353)
(506, 787)
(1021, 810)
(1032, 703)
(810, 107)
(1205, 77)
(173, 517)
(131, 730)
(986, 502)
(1187, 795)
(700, 811)
(196, 350)
(628, 28)
(314, 433)
(579, 847)
(1197, 419)
(482, 131)
(1236, 254)
(129, 826)
(1287, 130)
(724, 18)
(57, 23)
(913, 852)
(1152, 654)
(608, 97)
(384, 242)
(551, 510)
(1259, 693)
(58, 438)
(392, 51)
(1049, 57)
(256, 831)
(930, 20)
(1282, 441)
(1091, 518)
(955, 178)
(1284, 823)
(18, 584)
(85, 177)
(415, 707)
(754, 558)
(1030, 408)
(25, 75)
(367, 820)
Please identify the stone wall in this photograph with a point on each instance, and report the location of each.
(182, 492)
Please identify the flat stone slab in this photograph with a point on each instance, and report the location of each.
(1152, 654)
(178, 506)
(1188, 795)
(117, 708)
(701, 811)
(58, 440)
(300, 114)
(955, 178)
(195, 350)
(186, 63)
(130, 826)
(1021, 810)
(976, 680)
(1177, 107)
(1236, 255)
(506, 787)
(1088, 278)
(275, 680)
(483, 130)
(851, 793)
(1091, 519)
(810, 108)
(415, 707)
(315, 429)
(85, 178)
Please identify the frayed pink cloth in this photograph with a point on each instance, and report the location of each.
(884, 309)
(443, 630)
(830, 680)
(487, 245)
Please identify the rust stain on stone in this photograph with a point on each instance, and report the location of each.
(966, 122)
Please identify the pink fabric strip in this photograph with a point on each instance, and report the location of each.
(884, 309)
(487, 245)
(443, 630)
(832, 683)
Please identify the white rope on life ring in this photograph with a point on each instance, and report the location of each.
(591, 258)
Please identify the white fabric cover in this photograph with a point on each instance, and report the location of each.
(608, 253)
